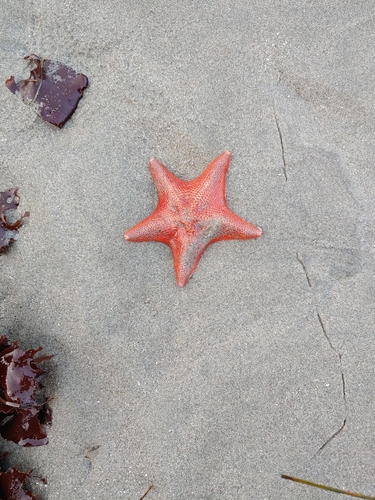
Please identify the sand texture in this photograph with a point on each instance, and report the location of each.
(211, 391)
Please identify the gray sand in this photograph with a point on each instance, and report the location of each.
(210, 391)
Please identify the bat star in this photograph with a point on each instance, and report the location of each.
(190, 215)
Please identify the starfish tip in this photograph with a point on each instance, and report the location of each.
(224, 157)
(153, 162)
(127, 235)
(182, 280)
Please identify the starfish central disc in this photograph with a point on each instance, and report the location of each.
(190, 215)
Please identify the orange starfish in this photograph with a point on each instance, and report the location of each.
(190, 215)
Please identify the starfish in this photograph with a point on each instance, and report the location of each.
(190, 215)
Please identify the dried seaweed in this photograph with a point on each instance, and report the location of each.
(327, 488)
(11, 485)
(21, 414)
(8, 232)
(53, 88)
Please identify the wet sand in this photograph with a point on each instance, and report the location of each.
(263, 363)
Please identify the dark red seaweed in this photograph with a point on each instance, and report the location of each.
(21, 415)
(9, 199)
(53, 88)
(11, 485)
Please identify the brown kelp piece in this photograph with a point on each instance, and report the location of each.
(21, 415)
(8, 232)
(53, 88)
(11, 485)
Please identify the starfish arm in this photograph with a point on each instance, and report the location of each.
(210, 184)
(233, 227)
(186, 255)
(167, 185)
(152, 228)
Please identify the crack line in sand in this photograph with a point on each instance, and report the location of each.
(145, 493)
(332, 437)
(299, 258)
(281, 143)
(339, 355)
(325, 332)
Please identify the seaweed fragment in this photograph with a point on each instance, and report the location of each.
(327, 488)
(8, 232)
(53, 88)
(21, 414)
(11, 485)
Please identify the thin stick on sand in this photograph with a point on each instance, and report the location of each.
(328, 488)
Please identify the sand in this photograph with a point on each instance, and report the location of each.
(263, 363)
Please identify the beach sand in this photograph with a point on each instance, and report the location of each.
(211, 391)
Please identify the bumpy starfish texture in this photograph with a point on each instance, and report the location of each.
(190, 215)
